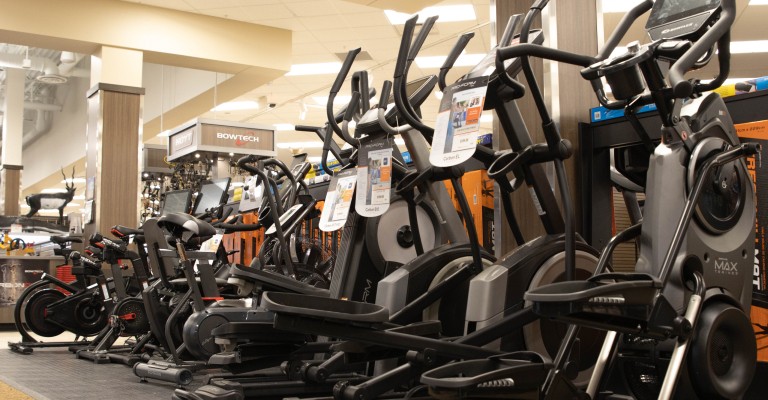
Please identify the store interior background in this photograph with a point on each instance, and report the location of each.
(55, 116)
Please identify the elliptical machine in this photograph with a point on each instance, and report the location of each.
(678, 327)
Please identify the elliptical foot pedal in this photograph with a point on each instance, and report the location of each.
(227, 390)
(613, 301)
(521, 373)
(324, 308)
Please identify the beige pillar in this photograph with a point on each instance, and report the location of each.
(113, 155)
(13, 130)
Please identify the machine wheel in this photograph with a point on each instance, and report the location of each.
(36, 310)
(723, 352)
(89, 318)
(137, 325)
(384, 234)
(544, 336)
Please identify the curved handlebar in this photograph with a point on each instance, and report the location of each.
(385, 92)
(680, 86)
(345, 67)
(452, 56)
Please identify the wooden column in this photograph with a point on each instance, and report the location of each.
(113, 156)
(10, 187)
(570, 26)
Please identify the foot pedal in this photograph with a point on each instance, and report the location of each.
(227, 391)
(514, 373)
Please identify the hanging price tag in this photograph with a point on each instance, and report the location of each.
(338, 201)
(374, 177)
(251, 197)
(458, 123)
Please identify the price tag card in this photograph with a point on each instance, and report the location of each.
(374, 177)
(458, 123)
(251, 197)
(212, 244)
(338, 201)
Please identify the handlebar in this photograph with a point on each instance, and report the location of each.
(452, 56)
(401, 77)
(716, 34)
(345, 67)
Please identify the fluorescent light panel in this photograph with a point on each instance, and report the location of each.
(300, 145)
(749, 46)
(758, 2)
(453, 13)
(236, 106)
(284, 127)
(464, 60)
(53, 190)
(314, 69)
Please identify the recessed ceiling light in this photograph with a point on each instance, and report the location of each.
(284, 127)
(300, 145)
(464, 60)
(758, 2)
(236, 106)
(314, 68)
(53, 190)
(453, 13)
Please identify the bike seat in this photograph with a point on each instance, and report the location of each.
(324, 308)
(62, 240)
(186, 228)
(120, 230)
(613, 301)
(504, 375)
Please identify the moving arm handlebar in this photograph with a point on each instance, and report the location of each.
(716, 34)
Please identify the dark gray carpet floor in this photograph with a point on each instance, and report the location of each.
(57, 375)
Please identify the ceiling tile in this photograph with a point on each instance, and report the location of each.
(172, 4)
(376, 18)
(303, 37)
(336, 35)
(375, 32)
(314, 8)
(210, 4)
(326, 22)
(266, 12)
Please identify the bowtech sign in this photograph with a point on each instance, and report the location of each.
(240, 140)
(204, 135)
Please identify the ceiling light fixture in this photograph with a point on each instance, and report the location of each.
(749, 46)
(464, 60)
(53, 190)
(453, 13)
(314, 69)
(75, 180)
(758, 2)
(236, 106)
(300, 145)
(284, 127)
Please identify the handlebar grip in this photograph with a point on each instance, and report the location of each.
(385, 92)
(452, 56)
(365, 103)
(426, 27)
(509, 30)
(405, 44)
(345, 67)
(306, 128)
